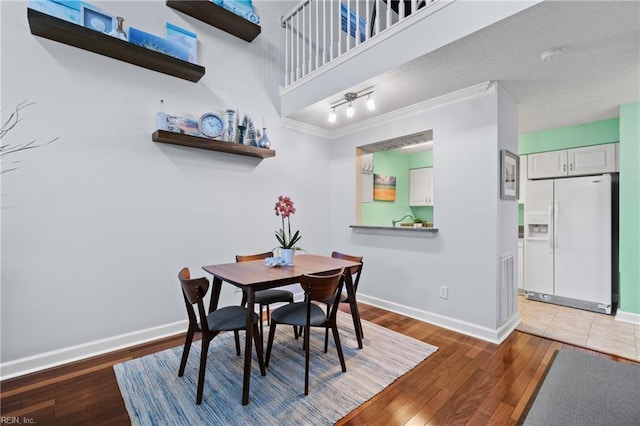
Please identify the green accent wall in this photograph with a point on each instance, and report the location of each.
(630, 208)
(396, 163)
(595, 133)
(626, 130)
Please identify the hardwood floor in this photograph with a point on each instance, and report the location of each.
(467, 381)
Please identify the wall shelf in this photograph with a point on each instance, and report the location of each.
(62, 31)
(211, 144)
(219, 17)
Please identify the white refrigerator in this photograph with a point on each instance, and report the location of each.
(568, 242)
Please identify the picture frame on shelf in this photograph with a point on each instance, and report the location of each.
(96, 20)
(158, 44)
(184, 38)
(509, 172)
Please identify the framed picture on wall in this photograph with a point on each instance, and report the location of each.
(509, 172)
(384, 188)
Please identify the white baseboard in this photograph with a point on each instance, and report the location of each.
(473, 330)
(46, 360)
(623, 316)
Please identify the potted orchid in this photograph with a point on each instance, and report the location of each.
(284, 208)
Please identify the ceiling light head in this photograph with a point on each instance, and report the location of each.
(332, 115)
(351, 96)
(371, 105)
(548, 55)
(350, 110)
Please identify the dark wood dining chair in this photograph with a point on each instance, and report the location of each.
(265, 297)
(228, 318)
(308, 314)
(355, 272)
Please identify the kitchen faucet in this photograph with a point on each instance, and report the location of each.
(401, 219)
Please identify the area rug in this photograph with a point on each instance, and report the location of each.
(584, 389)
(155, 395)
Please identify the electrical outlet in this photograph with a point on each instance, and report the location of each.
(444, 292)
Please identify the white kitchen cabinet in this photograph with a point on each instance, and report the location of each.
(520, 266)
(586, 160)
(522, 178)
(591, 160)
(421, 186)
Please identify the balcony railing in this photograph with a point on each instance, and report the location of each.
(320, 31)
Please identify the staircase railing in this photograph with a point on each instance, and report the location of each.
(320, 31)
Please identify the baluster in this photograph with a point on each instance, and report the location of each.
(324, 32)
(309, 37)
(293, 58)
(304, 42)
(286, 55)
(357, 22)
(317, 34)
(339, 17)
(348, 36)
(331, 28)
(378, 17)
(367, 24)
(388, 23)
(299, 62)
(401, 14)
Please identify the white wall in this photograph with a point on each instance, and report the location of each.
(96, 226)
(404, 271)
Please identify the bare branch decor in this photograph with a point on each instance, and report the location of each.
(7, 126)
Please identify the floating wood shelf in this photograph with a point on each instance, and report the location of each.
(66, 32)
(211, 144)
(219, 17)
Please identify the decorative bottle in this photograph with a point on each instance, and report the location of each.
(264, 140)
(230, 125)
(120, 33)
(161, 118)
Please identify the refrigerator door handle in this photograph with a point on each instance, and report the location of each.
(556, 208)
(550, 231)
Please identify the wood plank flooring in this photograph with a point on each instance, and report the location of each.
(467, 381)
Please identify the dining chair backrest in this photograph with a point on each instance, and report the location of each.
(193, 291)
(321, 287)
(246, 258)
(354, 270)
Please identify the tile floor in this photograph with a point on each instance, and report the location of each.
(581, 328)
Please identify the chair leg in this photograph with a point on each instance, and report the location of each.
(257, 340)
(326, 333)
(306, 360)
(236, 336)
(261, 326)
(185, 351)
(203, 369)
(272, 333)
(336, 338)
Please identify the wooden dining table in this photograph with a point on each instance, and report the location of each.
(256, 275)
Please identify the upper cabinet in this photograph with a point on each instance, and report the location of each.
(586, 160)
(66, 32)
(421, 186)
(216, 16)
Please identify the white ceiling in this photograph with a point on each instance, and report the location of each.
(598, 70)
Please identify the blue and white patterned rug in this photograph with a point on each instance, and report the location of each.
(155, 395)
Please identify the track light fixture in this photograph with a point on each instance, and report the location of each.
(348, 99)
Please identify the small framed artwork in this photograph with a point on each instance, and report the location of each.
(509, 172)
(384, 188)
(96, 20)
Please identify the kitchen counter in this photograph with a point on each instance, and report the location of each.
(422, 229)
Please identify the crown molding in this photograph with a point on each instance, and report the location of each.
(393, 116)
